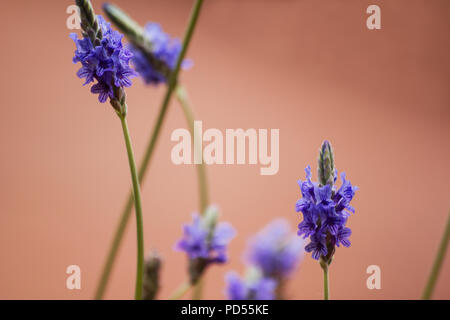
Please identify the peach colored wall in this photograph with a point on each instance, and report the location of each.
(309, 68)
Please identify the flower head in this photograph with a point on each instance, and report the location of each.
(254, 287)
(105, 61)
(152, 268)
(325, 210)
(155, 65)
(275, 250)
(205, 242)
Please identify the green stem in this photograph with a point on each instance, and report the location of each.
(428, 292)
(201, 170)
(181, 291)
(137, 201)
(118, 236)
(325, 284)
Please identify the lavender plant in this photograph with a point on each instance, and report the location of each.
(254, 286)
(205, 242)
(325, 211)
(155, 55)
(275, 250)
(105, 61)
(171, 85)
(152, 268)
(272, 256)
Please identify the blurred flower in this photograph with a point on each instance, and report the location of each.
(205, 242)
(275, 250)
(104, 60)
(152, 266)
(325, 210)
(154, 66)
(254, 287)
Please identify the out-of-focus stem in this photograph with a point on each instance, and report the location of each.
(428, 292)
(181, 291)
(201, 170)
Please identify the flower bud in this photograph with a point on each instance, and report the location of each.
(326, 169)
(152, 267)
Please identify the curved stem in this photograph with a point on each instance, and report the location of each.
(112, 254)
(201, 170)
(138, 205)
(437, 263)
(181, 291)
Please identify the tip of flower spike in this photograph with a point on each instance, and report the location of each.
(210, 217)
(326, 169)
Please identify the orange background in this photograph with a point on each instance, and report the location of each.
(309, 68)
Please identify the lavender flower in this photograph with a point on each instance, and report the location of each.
(105, 60)
(275, 250)
(325, 210)
(155, 66)
(205, 242)
(254, 287)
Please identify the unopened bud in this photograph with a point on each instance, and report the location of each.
(326, 164)
(152, 267)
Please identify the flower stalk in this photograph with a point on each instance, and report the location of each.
(138, 206)
(180, 291)
(118, 236)
(324, 266)
(105, 61)
(182, 98)
(201, 173)
(325, 211)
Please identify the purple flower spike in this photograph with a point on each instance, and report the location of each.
(256, 287)
(107, 63)
(275, 250)
(325, 210)
(205, 242)
(164, 53)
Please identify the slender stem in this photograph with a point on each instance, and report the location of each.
(138, 205)
(201, 170)
(325, 284)
(181, 291)
(112, 254)
(428, 292)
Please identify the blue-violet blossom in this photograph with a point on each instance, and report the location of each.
(275, 250)
(163, 49)
(107, 63)
(205, 241)
(325, 213)
(255, 288)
